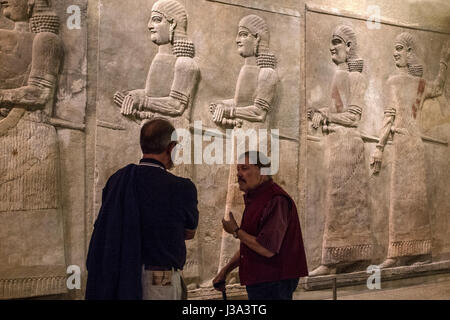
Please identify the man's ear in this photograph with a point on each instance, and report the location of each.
(171, 146)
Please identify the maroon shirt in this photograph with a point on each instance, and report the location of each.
(274, 221)
(271, 216)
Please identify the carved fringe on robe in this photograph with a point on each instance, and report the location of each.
(409, 248)
(348, 253)
(32, 287)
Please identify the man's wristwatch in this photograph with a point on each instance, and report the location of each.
(235, 232)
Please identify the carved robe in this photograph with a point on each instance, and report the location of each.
(347, 235)
(409, 221)
(31, 222)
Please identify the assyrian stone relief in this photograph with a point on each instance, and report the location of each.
(336, 192)
(347, 234)
(250, 108)
(402, 177)
(170, 87)
(410, 238)
(173, 74)
(31, 56)
(54, 162)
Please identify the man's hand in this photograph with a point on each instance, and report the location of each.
(219, 281)
(230, 225)
(189, 234)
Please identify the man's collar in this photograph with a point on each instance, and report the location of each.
(258, 189)
(153, 161)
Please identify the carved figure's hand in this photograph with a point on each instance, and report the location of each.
(134, 101)
(212, 108)
(219, 113)
(128, 105)
(232, 123)
(445, 53)
(375, 163)
(119, 96)
(222, 109)
(4, 112)
(317, 120)
(230, 225)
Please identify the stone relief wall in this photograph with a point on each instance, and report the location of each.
(407, 177)
(251, 108)
(42, 113)
(223, 70)
(57, 154)
(347, 231)
(212, 62)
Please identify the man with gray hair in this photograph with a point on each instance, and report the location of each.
(138, 245)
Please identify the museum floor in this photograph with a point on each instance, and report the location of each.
(434, 287)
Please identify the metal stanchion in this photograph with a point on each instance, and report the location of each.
(334, 288)
(224, 292)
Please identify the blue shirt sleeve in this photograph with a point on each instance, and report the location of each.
(189, 205)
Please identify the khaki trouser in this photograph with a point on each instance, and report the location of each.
(163, 285)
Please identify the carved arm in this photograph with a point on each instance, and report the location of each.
(348, 118)
(437, 87)
(174, 105)
(47, 53)
(388, 122)
(265, 96)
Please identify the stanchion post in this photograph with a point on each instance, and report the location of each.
(334, 288)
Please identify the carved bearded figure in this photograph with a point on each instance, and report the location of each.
(253, 101)
(347, 235)
(31, 222)
(173, 74)
(406, 90)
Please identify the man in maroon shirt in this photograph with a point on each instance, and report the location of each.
(271, 258)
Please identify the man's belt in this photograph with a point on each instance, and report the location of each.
(161, 276)
(157, 268)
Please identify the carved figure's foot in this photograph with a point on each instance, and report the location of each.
(421, 263)
(420, 260)
(388, 263)
(322, 270)
(353, 266)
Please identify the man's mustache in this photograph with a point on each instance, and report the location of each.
(241, 180)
